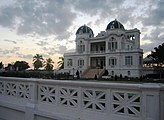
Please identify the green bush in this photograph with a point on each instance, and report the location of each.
(28, 74)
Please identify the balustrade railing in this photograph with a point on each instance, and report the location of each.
(100, 51)
(81, 100)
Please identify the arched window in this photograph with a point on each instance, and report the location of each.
(112, 27)
(112, 44)
(81, 47)
(112, 61)
(80, 63)
(128, 73)
(133, 37)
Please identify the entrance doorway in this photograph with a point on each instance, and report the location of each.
(97, 62)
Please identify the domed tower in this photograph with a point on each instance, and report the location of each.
(114, 25)
(82, 35)
(84, 32)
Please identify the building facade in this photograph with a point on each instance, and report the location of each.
(116, 50)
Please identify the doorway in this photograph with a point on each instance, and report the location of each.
(97, 62)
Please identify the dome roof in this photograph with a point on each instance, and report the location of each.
(84, 29)
(114, 25)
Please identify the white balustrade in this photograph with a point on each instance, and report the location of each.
(39, 99)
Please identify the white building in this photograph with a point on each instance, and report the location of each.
(116, 50)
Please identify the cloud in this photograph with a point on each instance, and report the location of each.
(62, 49)
(156, 37)
(39, 16)
(64, 35)
(155, 15)
(27, 56)
(91, 7)
(42, 43)
(55, 17)
(11, 51)
(11, 41)
(49, 50)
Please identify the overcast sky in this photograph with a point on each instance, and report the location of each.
(48, 27)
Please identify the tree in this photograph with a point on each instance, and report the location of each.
(20, 65)
(61, 63)
(157, 55)
(9, 67)
(49, 64)
(37, 61)
(1, 65)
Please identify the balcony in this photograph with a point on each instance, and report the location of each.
(41, 99)
(94, 52)
(125, 50)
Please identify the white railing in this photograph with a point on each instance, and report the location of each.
(32, 99)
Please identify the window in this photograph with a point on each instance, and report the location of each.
(112, 61)
(140, 60)
(112, 73)
(131, 37)
(128, 73)
(80, 62)
(69, 62)
(97, 48)
(102, 48)
(112, 27)
(81, 47)
(128, 60)
(112, 45)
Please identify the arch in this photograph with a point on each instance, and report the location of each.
(112, 61)
(112, 44)
(81, 47)
(80, 62)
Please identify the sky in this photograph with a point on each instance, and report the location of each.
(48, 27)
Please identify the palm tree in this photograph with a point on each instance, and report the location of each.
(61, 63)
(49, 64)
(37, 61)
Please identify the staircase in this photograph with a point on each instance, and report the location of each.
(90, 73)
